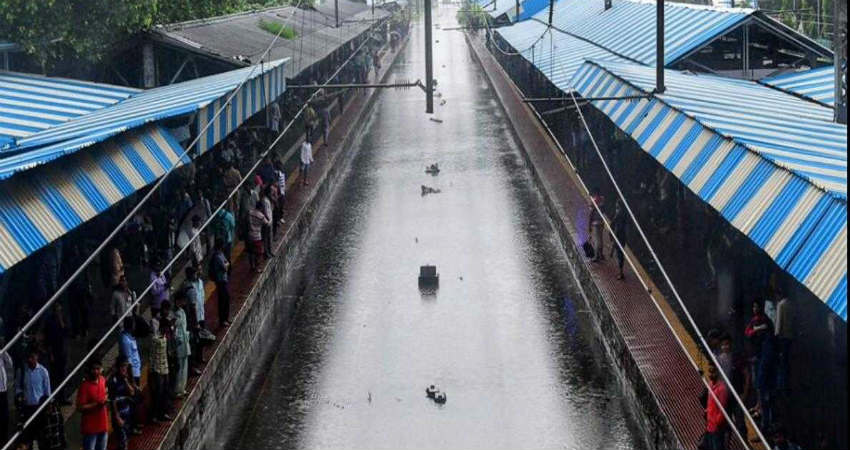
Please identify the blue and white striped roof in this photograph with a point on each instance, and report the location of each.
(33, 103)
(816, 84)
(628, 27)
(625, 32)
(771, 164)
(555, 54)
(41, 205)
(147, 106)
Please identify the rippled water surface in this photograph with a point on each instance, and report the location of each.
(506, 336)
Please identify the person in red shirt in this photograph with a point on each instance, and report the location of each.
(92, 399)
(715, 421)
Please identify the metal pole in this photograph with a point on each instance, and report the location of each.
(429, 69)
(516, 19)
(336, 12)
(659, 46)
(839, 47)
(745, 51)
(551, 8)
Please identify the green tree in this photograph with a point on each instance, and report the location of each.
(52, 29)
(85, 30)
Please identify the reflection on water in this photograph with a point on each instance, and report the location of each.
(502, 336)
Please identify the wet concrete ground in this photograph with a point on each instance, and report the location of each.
(505, 336)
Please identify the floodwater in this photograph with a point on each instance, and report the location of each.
(506, 335)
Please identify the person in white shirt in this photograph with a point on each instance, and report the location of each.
(281, 188)
(189, 229)
(306, 160)
(784, 329)
(274, 118)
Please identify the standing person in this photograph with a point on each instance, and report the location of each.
(269, 213)
(159, 288)
(376, 62)
(274, 118)
(196, 312)
(306, 160)
(620, 224)
(760, 332)
(595, 226)
(326, 123)
(232, 178)
(188, 231)
(281, 189)
(123, 394)
(129, 349)
(116, 266)
(736, 369)
(224, 230)
(7, 368)
(784, 336)
(158, 373)
(92, 399)
(257, 220)
(182, 347)
(33, 389)
(309, 122)
(122, 300)
(715, 422)
(220, 275)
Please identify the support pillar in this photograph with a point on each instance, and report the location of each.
(148, 66)
(429, 63)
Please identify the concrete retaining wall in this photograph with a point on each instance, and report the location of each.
(640, 401)
(265, 317)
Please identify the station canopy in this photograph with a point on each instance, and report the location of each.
(772, 164)
(239, 39)
(69, 150)
(814, 84)
(625, 32)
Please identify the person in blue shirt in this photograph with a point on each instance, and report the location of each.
(130, 349)
(33, 388)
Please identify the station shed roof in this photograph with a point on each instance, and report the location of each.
(239, 39)
(773, 165)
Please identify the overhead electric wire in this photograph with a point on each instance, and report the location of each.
(144, 199)
(209, 220)
(132, 213)
(519, 52)
(675, 294)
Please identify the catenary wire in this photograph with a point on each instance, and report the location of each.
(139, 298)
(675, 293)
(141, 202)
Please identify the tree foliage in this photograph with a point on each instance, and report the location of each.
(52, 30)
(472, 15)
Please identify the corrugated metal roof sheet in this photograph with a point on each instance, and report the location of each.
(39, 206)
(33, 103)
(140, 109)
(628, 28)
(556, 55)
(624, 32)
(773, 165)
(239, 36)
(815, 84)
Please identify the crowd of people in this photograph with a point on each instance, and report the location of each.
(163, 334)
(170, 321)
(758, 374)
(757, 367)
